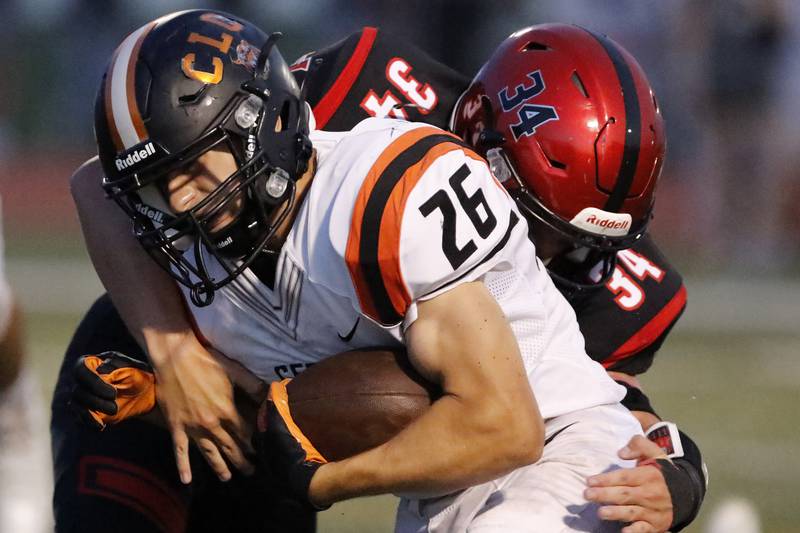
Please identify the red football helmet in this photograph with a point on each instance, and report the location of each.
(570, 125)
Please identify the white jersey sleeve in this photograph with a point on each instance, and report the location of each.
(429, 217)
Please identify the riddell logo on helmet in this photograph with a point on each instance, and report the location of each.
(607, 222)
(602, 222)
(153, 214)
(136, 156)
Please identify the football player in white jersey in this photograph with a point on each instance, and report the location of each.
(410, 238)
(25, 477)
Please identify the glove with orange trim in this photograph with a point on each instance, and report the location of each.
(283, 447)
(112, 387)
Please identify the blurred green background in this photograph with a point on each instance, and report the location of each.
(727, 73)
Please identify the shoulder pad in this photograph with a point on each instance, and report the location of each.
(371, 73)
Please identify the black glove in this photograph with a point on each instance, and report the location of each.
(283, 447)
(111, 387)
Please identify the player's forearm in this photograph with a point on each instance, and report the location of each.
(454, 445)
(486, 424)
(635, 400)
(146, 297)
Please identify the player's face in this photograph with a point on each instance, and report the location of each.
(191, 184)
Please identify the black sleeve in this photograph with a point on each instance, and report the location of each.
(636, 400)
(317, 71)
(372, 73)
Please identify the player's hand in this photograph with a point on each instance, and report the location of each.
(288, 453)
(197, 399)
(255, 389)
(639, 495)
(112, 387)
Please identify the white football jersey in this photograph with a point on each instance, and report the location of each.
(397, 213)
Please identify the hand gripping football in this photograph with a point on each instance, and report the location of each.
(357, 400)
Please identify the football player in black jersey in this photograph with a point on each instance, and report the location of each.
(543, 91)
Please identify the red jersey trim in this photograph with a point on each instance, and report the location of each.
(650, 331)
(133, 487)
(329, 104)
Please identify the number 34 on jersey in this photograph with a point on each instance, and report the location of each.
(629, 295)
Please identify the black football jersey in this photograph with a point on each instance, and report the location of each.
(626, 320)
(372, 73)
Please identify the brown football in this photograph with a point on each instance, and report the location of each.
(354, 401)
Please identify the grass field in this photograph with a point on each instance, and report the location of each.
(734, 386)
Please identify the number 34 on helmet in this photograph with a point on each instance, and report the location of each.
(570, 125)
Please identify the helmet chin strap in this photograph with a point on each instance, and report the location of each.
(582, 282)
(236, 239)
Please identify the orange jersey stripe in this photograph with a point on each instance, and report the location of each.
(352, 253)
(389, 224)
